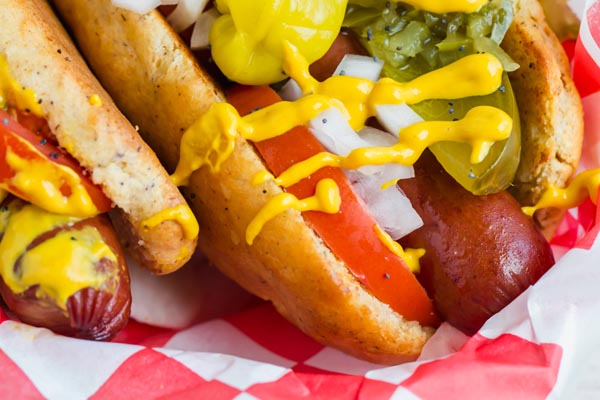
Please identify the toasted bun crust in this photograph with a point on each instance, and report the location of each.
(287, 264)
(41, 56)
(550, 110)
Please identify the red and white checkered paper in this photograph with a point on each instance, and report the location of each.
(543, 345)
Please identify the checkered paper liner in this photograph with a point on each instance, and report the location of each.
(541, 346)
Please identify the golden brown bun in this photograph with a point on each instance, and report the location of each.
(42, 57)
(550, 110)
(287, 264)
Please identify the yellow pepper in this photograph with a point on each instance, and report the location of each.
(247, 39)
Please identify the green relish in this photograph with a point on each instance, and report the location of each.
(412, 42)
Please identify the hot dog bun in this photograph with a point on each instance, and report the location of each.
(550, 110)
(41, 56)
(289, 264)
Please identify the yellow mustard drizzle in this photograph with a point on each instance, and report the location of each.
(410, 256)
(582, 186)
(41, 182)
(61, 265)
(326, 199)
(446, 6)
(210, 140)
(95, 100)
(180, 213)
(13, 93)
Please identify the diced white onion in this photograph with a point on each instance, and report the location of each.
(377, 137)
(186, 13)
(199, 39)
(335, 133)
(390, 207)
(394, 117)
(290, 91)
(137, 6)
(360, 67)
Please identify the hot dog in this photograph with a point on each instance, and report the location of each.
(69, 160)
(312, 269)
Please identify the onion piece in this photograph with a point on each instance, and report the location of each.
(390, 207)
(290, 91)
(394, 117)
(200, 33)
(186, 13)
(138, 6)
(333, 131)
(377, 137)
(360, 67)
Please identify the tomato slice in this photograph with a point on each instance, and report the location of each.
(16, 135)
(349, 233)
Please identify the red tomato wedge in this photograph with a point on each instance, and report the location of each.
(349, 233)
(16, 134)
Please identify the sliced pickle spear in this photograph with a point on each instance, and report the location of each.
(497, 171)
